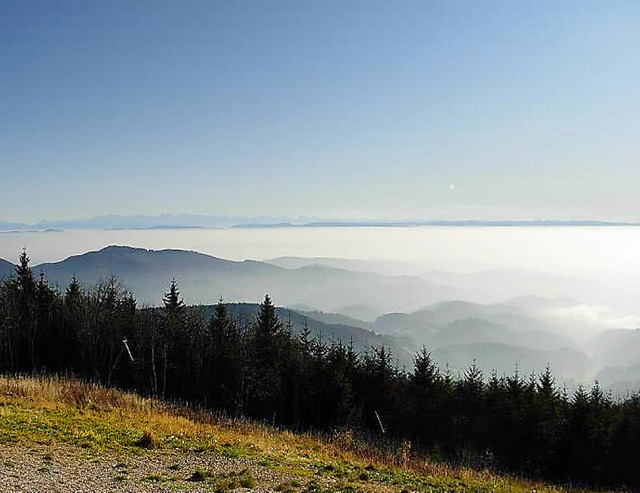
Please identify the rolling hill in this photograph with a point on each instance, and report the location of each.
(204, 278)
(498, 337)
(442, 323)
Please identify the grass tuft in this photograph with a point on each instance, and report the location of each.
(233, 480)
(198, 475)
(147, 440)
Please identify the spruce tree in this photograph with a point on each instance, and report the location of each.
(268, 324)
(264, 366)
(173, 304)
(172, 340)
(26, 326)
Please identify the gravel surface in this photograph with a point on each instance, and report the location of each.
(66, 469)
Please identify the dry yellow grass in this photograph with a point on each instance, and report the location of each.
(52, 410)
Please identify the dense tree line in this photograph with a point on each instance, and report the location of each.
(261, 369)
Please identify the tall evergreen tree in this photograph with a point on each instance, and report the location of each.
(172, 340)
(264, 371)
(427, 398)
(25, 335)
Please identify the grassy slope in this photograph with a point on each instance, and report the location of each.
(52, 413)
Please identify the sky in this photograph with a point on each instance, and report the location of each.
(332, 109)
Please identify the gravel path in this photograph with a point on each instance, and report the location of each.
(66, 469)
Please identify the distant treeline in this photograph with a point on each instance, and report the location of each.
(260, 369)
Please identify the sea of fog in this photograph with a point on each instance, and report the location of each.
(597, 265)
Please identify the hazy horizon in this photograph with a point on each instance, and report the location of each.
(193, 221)
(589, 264)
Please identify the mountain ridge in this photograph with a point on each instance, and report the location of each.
(205, 278)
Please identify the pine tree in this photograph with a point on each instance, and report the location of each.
(26, 324)
(173, 304)
(426, 398)
(24, 276)
(425, 372)
(264, 365)
(172, 340)
(268, 324)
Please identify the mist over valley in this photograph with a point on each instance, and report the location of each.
(501, 316)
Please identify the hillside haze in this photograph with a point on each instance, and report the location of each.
(204, 278)
(341, 300)
(348, 332)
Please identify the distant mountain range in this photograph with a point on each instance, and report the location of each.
(166, 221)
(115, 221)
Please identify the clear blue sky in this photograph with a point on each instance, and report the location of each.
(326, 108)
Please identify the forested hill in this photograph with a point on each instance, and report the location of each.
(147, 272)
(204, 279)
(361, 339)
